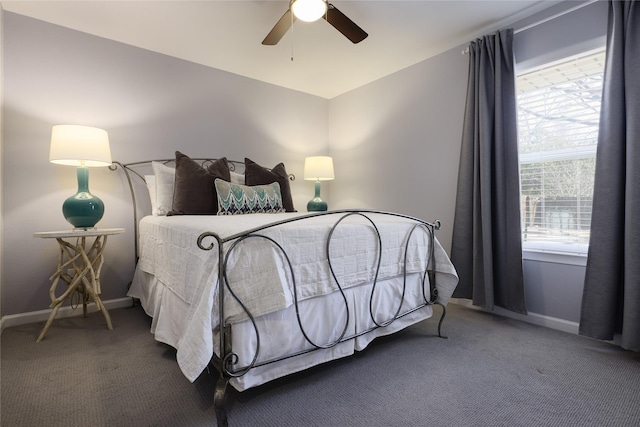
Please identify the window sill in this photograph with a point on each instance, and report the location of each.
(554, 256)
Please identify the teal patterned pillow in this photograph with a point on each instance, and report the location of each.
(237, 199)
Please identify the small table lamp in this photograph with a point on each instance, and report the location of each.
(84, 147)
(318, 168)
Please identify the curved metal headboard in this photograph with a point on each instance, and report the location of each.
(128, 169)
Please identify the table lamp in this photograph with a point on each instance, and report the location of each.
(84, 147)
(318, 168)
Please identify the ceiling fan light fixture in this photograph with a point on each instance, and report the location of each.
(322, 9)
(309, 10)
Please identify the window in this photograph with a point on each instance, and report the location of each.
(558, 116)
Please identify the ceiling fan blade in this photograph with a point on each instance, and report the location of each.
(345, 25)
(280, 29)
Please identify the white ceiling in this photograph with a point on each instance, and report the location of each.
(227, 34)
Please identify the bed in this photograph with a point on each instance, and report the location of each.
(272, 291)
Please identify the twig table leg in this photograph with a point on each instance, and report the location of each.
(85, 279)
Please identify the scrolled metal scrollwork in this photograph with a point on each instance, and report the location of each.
(227, 361)
(205, 235)
(430, 267)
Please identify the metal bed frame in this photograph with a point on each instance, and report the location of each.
(225, 360)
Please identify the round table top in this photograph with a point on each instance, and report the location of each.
(81, 232)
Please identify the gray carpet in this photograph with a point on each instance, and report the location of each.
(492, 371)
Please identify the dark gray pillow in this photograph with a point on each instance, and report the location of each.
(254, 174)
(194, 192)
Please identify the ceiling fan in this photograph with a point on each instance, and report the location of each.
(312, 10)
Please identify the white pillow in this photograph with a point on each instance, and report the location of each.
(165, 179)
(237, 178)
(151, 186)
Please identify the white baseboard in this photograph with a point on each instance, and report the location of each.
(42, 315)
(533, 318)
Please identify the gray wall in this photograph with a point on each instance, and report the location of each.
(395, 142)
(578, 31)
(151, 105)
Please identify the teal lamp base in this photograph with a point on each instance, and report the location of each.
(317, 204)
(83, 209)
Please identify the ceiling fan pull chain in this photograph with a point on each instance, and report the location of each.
(292, 32)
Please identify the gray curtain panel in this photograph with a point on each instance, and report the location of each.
(487, 247)
(611, 298)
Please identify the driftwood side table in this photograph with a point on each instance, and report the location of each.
(79, 265)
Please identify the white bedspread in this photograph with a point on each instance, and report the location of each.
(258, 271)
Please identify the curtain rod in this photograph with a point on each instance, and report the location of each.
(547, 19)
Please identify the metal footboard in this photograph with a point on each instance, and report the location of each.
(226, 360)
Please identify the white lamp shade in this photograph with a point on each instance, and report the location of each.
(309, 10)
(318, 168)
(75, 145)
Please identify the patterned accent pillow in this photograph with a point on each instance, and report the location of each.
(237, 199)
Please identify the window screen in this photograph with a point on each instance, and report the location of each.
(558, 116)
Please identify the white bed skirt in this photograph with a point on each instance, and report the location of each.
(323, 319)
